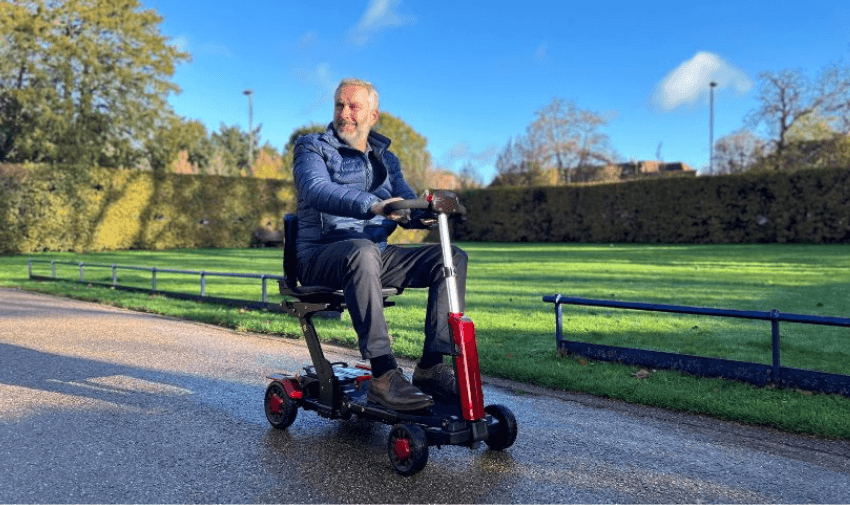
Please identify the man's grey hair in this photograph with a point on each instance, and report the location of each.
(368, 86)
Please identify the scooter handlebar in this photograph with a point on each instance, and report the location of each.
(414, 203)
(446, 202)
(438, 202)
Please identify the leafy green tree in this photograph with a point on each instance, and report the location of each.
(301, 131)
(290, 145)
(410, 147)
(82, 81)
(268, 164)
(231, 144)
(811, 127)
(175, 135)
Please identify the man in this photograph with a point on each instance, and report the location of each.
(344, 179)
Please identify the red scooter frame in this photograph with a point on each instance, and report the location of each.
(467, 370)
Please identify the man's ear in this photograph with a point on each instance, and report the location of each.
(374, 117)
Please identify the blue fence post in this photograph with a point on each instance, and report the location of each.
(203, 284)
(774, 331)
(153, 274)
(82, 271)
(29, 268)
(114, 275)
(559, 321)
(265, 292)
(53, 268)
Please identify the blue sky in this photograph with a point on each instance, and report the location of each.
(469, 75)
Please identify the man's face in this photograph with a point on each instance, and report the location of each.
(354, 115)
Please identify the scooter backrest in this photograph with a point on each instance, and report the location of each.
(290, 262)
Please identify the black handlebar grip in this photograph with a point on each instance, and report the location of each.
(417, 203)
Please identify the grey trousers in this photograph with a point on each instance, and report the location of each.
(360, 269)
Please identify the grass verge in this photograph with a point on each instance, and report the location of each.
(515, 328)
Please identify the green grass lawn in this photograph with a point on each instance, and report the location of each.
(516, 329)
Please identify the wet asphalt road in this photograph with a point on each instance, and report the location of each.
(110, 406)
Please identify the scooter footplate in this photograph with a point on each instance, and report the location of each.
(342, 371)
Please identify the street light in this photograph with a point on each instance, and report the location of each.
(711, 87)
(250, 93)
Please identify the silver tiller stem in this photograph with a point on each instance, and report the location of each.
(448, 264)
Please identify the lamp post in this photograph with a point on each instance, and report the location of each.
(250, 93)
(711, 87)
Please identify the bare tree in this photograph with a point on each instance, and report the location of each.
(470, 177)
(737, 152)
(570, 137)
(520, 163)
(507, 162)
(789, 97)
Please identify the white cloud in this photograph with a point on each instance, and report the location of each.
(459, 151)
(462, 152)
(181, 43)
(542, 52)
(215, 49)
(320, 78)
(380, 14)
(308, 40)
(320, 75)
(688, 84)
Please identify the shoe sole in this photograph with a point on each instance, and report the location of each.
(436, 391)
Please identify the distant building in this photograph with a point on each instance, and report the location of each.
(444, 179)
(632, 170)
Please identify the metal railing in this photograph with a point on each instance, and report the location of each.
(263, 304)
(755, 373)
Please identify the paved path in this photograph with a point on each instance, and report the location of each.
(99, 404)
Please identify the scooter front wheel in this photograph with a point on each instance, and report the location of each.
(280, 409)
(408, 448)
(503, 432)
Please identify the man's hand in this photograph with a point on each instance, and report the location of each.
(399, 216)
(431, 221)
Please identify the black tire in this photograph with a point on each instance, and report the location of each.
(503, 431)
(288, 408)
(408, 448)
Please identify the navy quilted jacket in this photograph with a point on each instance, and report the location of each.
(334, 194)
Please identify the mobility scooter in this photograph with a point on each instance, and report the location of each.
(339, 391)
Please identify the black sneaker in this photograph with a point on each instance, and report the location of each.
(394, 391)
(439, 378)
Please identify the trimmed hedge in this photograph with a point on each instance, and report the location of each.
(807, 206)
(72, 209)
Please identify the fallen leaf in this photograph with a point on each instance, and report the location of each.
(643, 373)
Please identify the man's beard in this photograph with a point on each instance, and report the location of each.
(360, 133)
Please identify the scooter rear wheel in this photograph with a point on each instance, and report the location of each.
(280, 409)
(408, 448)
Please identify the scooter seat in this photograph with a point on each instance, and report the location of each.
(306, 293)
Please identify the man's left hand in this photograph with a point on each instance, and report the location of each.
(399, 216)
